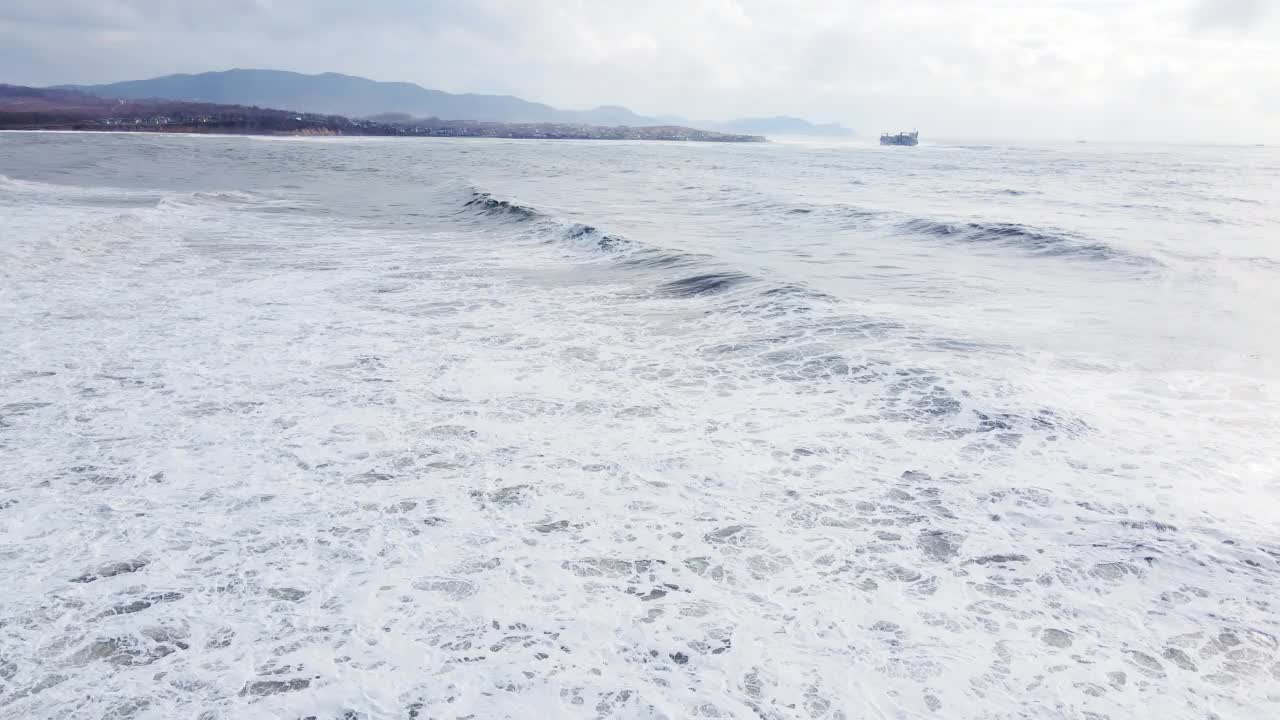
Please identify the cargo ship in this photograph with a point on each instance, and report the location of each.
(902, 138)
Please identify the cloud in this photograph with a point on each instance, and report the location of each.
(1175, 69)
(1238, 15)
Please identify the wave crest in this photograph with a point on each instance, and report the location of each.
(484, 203)
(1036, 241)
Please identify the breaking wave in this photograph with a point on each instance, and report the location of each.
(811, 319)
(483, 203)
(673, 273)
(226, 200)
(1036, 241)
(706, 284)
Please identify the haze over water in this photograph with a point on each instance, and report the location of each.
(450, 429)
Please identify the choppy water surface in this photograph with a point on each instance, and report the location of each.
(442, 429)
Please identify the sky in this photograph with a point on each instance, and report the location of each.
(1163, 70)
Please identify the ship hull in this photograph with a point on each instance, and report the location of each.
(902, 140)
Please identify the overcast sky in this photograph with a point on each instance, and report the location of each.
(1159, 69)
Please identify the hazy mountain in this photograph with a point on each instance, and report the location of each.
(328, 93)
(17, 98)
(783, 125)
(332, 93)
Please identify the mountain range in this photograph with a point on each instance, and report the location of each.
(337, 94)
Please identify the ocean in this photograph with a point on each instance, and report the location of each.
(380, 428)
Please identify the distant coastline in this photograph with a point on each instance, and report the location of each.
(676, 134)
(357, 97)
(24, 108)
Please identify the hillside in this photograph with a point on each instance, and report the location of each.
(336, 94)
(24, 108)
(351, 96)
